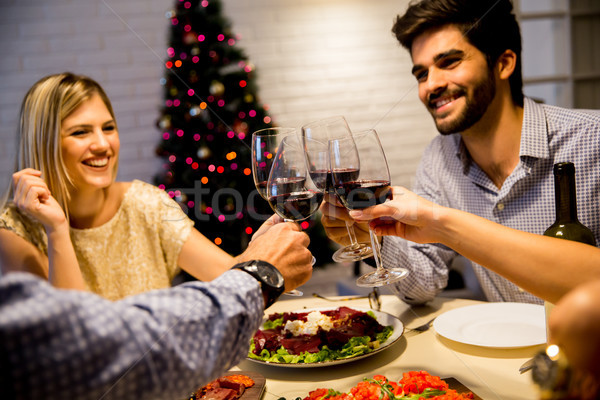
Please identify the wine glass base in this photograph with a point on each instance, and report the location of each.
(353, 253)
(382, 277)
(294, 292)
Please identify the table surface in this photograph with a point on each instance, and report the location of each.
(490, 373)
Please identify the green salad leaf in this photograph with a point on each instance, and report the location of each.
(273, 324)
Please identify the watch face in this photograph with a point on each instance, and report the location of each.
(269, 276)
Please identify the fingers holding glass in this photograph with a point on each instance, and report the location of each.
(368, 186)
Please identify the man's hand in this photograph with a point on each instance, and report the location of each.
(273, 220)
(407, 215)
(334, 218)
(286, 247)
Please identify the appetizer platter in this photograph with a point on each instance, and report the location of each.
(323, 336)
(414, 385)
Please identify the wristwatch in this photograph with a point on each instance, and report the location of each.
(271, 280)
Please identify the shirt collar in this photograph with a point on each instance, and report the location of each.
(534, 132)
(462, 153)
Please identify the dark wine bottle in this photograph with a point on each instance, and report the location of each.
(567, 225)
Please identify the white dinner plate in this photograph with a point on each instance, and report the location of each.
(497, 325)
(383, 318)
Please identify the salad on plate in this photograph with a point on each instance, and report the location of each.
(319, 336)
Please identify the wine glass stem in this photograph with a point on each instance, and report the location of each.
(296, 292)
(351, 234)
(376, 250)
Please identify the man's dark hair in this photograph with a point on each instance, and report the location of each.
(489, 25)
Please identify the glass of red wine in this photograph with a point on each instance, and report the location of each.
(290, 190)
(322, 131)
(371, 186)
(265, 143)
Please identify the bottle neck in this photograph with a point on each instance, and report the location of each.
(566, 197)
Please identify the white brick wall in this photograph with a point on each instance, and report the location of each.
(314, 59)
(319, 58)
(117, 43)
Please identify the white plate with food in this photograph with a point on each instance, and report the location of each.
(494, 325)
(323, 336)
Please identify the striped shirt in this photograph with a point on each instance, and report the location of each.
(448, 177)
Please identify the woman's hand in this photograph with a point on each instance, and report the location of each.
(334, 218)
(407, 215)
(32, 197)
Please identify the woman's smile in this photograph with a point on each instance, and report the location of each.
(90, 145)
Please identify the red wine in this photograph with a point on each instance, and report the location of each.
(297, 205)
(282, 185)
(324, 179)
(363, 193)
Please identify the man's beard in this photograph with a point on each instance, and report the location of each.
(476, 105)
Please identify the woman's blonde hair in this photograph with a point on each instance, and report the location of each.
(44, 107)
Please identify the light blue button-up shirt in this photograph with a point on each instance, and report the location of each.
(447, 176)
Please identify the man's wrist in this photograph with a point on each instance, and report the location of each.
(271, 281)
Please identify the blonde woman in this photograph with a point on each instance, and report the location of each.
(68, 220)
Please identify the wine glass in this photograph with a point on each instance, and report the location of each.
(290, 191)
(371, 186)
(265, 143)
(323, 131)
(264, 147)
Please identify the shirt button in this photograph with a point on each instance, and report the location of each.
(500, 206)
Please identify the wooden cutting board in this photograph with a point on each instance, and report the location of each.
(253, 393)
(256, 391)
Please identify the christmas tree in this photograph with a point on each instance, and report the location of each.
(210, 110)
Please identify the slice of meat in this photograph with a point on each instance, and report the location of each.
(268, 339)
(229, 387)
(220, 394)
(238, 387)
(299, 344)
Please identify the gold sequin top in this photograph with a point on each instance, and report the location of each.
(135, 251)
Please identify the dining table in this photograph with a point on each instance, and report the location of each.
(490, 373)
